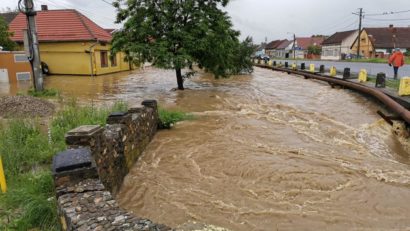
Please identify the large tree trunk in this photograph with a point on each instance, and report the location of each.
(180, 80)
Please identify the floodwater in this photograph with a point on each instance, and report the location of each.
(267, 151)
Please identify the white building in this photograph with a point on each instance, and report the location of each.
(338, 46)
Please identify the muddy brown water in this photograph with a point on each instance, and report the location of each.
(267, 151)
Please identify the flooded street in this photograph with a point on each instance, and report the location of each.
(268, 151)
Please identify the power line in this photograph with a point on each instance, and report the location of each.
(109, 3)
(388, 19)
(333, 26)
(389, 13)
(350, 25)
(101, 18)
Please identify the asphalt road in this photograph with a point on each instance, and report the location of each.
(372, 68)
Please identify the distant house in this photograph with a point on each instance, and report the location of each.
(271, 47)
(303, 43)
(260, 50)
(70, 43)
(283, 49)
(378, 42)
(9, 16)
(338, 46)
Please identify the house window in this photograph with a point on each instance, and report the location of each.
(104, 59)
(113, 59)
(19, 58)
(21, 76)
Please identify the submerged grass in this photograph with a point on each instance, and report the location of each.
(169, 117)
(27, 152)
(50, 92)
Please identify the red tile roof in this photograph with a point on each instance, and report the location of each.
(60, 25)
(304, 43)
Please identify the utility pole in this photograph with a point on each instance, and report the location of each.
(33, 44)
(360, 14)
(294, 46)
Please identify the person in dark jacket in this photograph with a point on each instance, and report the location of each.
(397, 60)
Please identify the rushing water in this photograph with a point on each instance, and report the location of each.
(268, 151)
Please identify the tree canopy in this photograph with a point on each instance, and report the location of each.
(5, 40)
(314, 49)
(175, 34)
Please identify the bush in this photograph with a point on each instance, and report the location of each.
(168, 117)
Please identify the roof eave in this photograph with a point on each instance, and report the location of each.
(62, 41)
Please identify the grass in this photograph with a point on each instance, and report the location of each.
(391, 83)
(30, 200)
(374, 60)
(46, 93)
(27, 153)
(73, 116)
(169, 117)
(369, 60)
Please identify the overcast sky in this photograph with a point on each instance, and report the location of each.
(272, 19)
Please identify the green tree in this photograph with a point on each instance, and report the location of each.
(316, 50)
(175, 34)
(5, 35)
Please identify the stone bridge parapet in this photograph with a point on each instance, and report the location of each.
(92, 169)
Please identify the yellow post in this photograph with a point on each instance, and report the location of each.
(3, 184)
(333, 71)
(270, 62)
(404, 88)
(363, 76)
(294, 66)
(312, 68)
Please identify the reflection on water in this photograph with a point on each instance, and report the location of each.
(268, 151)
(14, 89)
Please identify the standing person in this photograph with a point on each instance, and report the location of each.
(397, 60)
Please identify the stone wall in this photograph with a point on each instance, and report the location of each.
(92, 169)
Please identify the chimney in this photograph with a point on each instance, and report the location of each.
(44, 7)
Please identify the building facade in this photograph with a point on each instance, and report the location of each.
(71, 44)
(338, 46)
(14, 67)
(378, 42)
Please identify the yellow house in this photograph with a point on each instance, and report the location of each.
(381, 41)
(71, 44)
(366, 45)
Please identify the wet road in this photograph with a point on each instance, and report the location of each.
(267, 151)
(372, 68)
